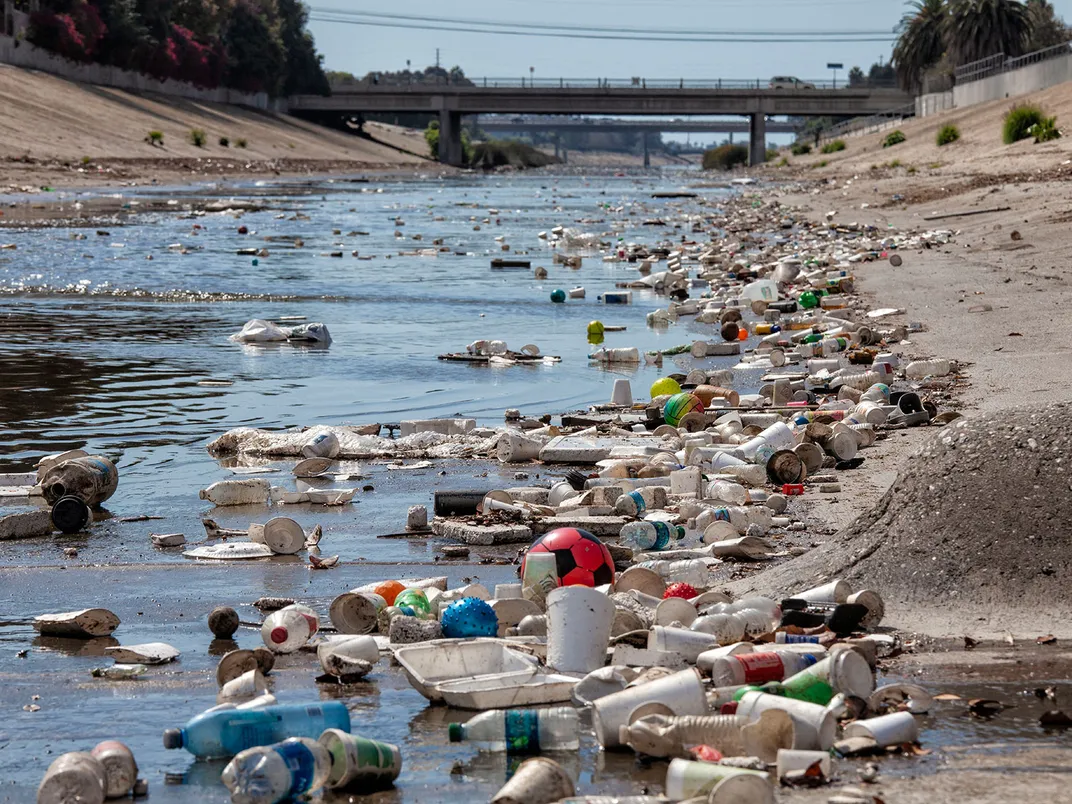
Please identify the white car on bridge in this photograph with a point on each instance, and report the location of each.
(789, 82)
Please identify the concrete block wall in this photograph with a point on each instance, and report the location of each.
(22, 54)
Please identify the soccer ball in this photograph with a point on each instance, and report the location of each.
(582, 559)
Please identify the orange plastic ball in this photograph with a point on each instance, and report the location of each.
(389, 590)
(742, 334)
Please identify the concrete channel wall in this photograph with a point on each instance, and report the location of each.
(1029, 78)
(22, 54)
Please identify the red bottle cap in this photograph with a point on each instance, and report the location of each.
(279, 635)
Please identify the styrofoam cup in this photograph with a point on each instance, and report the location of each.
(689, 644)
(505, 591)
(622, 393)
(675, 610)
(816, 727)
(579, 620)
(834, 592)
(895, 729)
(876, 609)
(844, 671)
(537, 781)
(791, 760)
(682, 692)
(687, 779)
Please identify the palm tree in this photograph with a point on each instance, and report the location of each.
(921, 43)
(977, 29)
(1047, 29)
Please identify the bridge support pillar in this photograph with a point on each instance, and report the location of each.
(647, 153)
(757, 140)
(450, 138)
(556, 145)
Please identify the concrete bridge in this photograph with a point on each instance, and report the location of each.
(452, 101)
(609, 124)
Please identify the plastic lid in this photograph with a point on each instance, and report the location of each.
(279, 635)
(70, 514)
(172, 738)
(454, 731)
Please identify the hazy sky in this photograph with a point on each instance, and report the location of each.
(359, 49)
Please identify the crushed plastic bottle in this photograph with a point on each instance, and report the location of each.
(254, 491)
(274, 773)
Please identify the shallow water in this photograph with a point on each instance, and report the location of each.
(118, 374)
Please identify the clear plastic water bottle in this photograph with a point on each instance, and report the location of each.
(273, 773)
(521, 731)
(646, 535)
(286, 630)
(224, 733)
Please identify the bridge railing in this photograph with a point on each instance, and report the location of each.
(593, 83)
(870, 124)
(998, 64)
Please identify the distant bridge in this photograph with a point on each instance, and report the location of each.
(500, 126)
(595, 97)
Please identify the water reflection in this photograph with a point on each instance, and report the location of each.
(75, 647)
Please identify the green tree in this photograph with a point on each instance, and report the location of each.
(304, 67)
(978, 29)
(1047, 29)
(857, 77)
(256, 58)
(921, 43)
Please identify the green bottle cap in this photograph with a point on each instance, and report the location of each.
(454, 732)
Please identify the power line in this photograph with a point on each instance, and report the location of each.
(346, 13)
(579, 34)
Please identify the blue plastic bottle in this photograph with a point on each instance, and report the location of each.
(227, 732)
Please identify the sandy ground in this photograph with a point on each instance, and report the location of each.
(58, 132)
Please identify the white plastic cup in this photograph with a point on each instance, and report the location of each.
(513, 447)
(675, 610)
(356, 647)
(579, 620)
(745, 788)
(323, 445)
(834, 592)
(537, 781)
(791, 760)
(246, 687)
(706, 659)
(689, 644)
(816, 727)
(358, 763)
(682, 693)
(356, 612)
(687, 779)
(283, 536)
(777, 436)
(622, 393)
(895, 729)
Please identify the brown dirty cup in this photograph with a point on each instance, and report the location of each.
(77, 776)
(234, 664)
(785, 466)
(355, 612)
(120, 769)
(537, 781)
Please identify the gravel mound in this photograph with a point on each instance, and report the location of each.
(982, 514)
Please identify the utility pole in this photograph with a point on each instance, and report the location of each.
(437, 58)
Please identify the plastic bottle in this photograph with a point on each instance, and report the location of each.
(918, 369)
(310, 616)
(521, 731)
(226, 732)
(254, 491)
(285, 631)
(93, 478)
(727, 492)
(273, 773)
(628, 355)
(759, 668)
(645, 535)
(693, 572)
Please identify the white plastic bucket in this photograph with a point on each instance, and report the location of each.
(687, 779)
(579, 620)
(895, 729)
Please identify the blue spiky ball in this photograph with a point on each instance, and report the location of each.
(469, 617)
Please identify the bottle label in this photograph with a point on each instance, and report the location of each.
(300, 762)
(522, 731)
(662, 535)
(759, 668)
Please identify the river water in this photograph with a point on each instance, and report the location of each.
(105, 349)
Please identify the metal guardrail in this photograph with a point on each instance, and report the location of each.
(871, 124)
(998, 64)
(592, 83)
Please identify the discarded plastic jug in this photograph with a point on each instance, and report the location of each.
(74, 777)
(324, 445)
(254, 491)
(918, 369)
(358, 763)
(274, 773)
(93, 478)
(732, 735)
(285, 631)
(71, 514)
(226, 732)
(521, 731)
